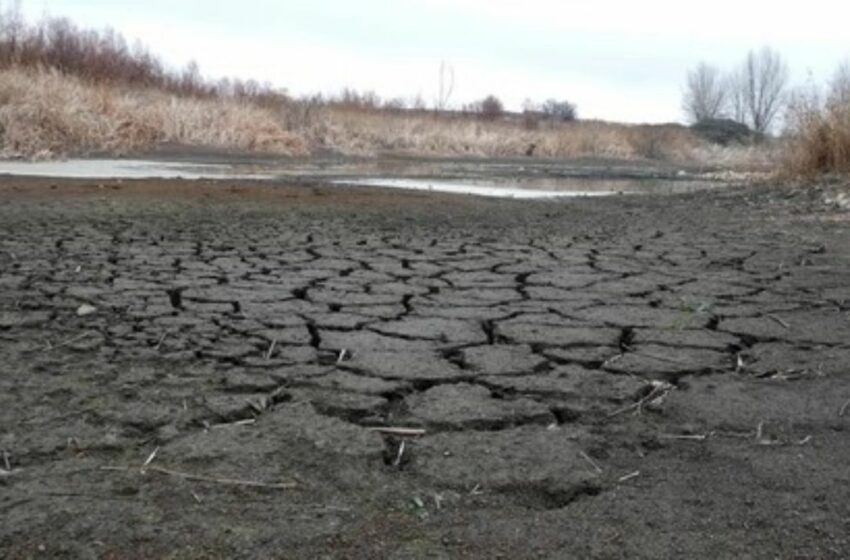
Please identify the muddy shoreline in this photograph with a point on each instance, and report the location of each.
(629, 377)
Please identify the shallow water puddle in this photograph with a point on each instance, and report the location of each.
(123, 169)
(488, 179)
(489, 190)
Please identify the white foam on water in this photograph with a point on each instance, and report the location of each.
(469, 189)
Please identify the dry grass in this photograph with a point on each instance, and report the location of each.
(820, 137)
(361, 132)
(45, 114)
(48, 114)
(67, 90)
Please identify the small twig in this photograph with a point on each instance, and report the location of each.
(69, 341)
(342, 354)
(150, 458)
(779, 320)
(400, 454)
(401, 432)
(613, 359)
(271, 350)
(805, 440)
(6, 461)
(629, 476)
(197, 498)
(161, 340)
(246, 422)
(211, 479)
(693, 437)
(260, 405)
(658, 391)
(844, 408)
(592, 463)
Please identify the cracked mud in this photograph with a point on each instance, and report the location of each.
(632, 377)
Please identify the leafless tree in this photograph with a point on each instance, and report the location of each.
(559, 110)
(446, 86)
(839, 86)
(489, 108)
(705, 93)
(758, 89)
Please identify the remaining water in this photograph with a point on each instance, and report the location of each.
(456, 187)
(527, 180)
(122, 169)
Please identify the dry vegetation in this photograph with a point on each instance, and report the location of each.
(46, 113)
(65, 90)
(820, 131)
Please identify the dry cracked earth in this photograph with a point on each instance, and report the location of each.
(202, 370)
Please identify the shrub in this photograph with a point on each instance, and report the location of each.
(723, 131)
(559, 110)
(491, 108)
(819, 136)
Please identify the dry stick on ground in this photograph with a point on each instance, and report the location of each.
(657, 392)
(400, 454)
(628, 476)
(692, 437)
(6, 461)
(271, 350)
(592, 463)
(844, 408)
(779, 320)
(161, 340)
(246, 422)
(204, 478)
(401, 432)
(150, 458)
(69, 341)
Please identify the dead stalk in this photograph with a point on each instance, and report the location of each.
(67, 342)
(401, 432)
(271, 350)
(694, 437)
(784, 324)
(246, 422)
(590, 461)
(658, 391)
(400, 454)
(150, 458)
(204, 478)
(629, 476)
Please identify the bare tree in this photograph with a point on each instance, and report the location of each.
(759, 89)
(490, 108)
(559, 110)
(705, 93)
(839, 86)
(446, 86)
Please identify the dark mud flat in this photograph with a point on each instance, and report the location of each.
(630, 377)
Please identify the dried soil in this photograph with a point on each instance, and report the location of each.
(632, 377)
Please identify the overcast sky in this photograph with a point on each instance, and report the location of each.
(617, 60)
